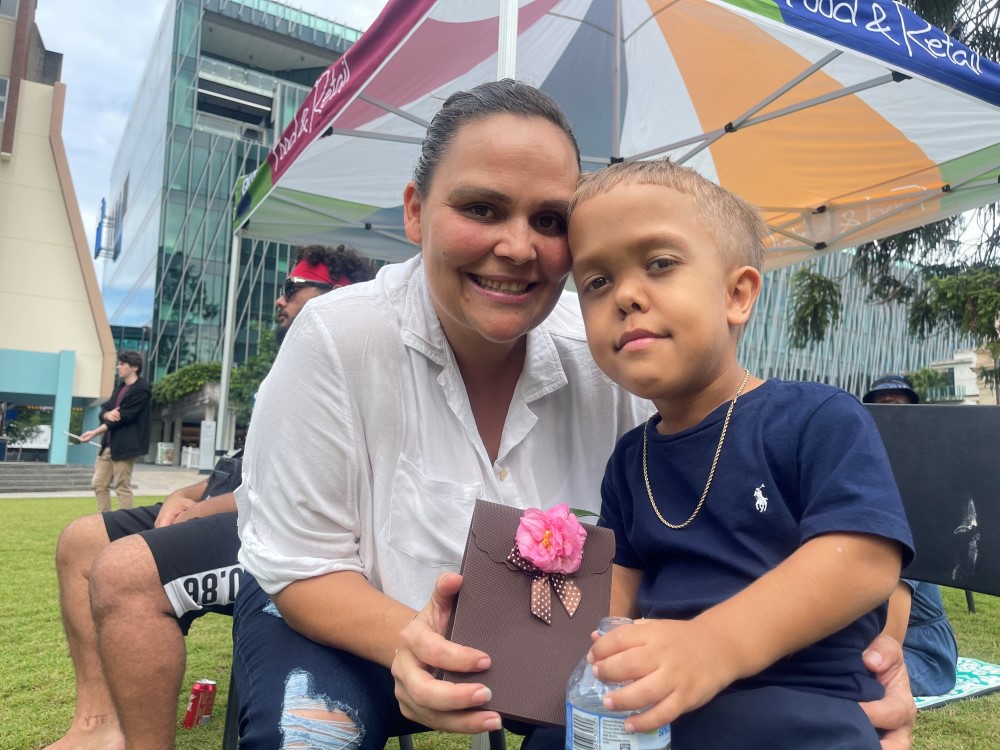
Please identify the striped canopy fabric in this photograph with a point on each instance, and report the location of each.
(843, 120)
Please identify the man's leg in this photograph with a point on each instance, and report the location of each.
(123, 481)
(95, 724)
(101, 481)
(140, 642)
(145, 591)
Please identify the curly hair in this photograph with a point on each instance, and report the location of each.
(340, 260)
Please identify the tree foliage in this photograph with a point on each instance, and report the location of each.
(927, 379)
(186, 380)
(248, 376)
(944, 279)
(26, 426)
(816, 300)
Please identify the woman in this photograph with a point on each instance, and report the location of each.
(392, 406)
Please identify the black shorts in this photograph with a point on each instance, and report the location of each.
(196, 560)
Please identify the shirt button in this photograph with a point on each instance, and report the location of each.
(503, 474)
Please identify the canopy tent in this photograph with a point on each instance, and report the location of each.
(843, 120)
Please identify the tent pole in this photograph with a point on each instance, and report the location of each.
(507, 43)
(221, 428)
(616, 92)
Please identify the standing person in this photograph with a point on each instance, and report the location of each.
(758, 527)
(916, 609)
(132, 582)
(460, 374)
(124, 432)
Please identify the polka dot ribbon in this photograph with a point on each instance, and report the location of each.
(541, 596)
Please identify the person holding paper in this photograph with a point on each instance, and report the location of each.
(124, 432)
(460, 374)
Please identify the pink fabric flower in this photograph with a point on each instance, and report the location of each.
(551, 539)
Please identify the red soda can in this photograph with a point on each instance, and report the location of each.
(199, 709)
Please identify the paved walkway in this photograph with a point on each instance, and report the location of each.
(147, 480)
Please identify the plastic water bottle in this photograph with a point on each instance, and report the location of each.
(591, 726)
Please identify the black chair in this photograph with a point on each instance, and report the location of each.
(947, 467)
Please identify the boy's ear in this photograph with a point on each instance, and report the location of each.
(411, 213)
(743, 287)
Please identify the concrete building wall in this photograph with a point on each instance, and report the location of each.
(47, 281)
(56, 347)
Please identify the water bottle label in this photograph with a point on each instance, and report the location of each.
(589, 731)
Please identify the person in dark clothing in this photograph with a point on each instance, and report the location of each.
(124, 432)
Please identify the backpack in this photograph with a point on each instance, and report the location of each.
(226, 476)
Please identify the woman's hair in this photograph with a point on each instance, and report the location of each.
(504, 97)
(133, 358)
(735, 224)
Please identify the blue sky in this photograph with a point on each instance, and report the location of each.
(104, 44)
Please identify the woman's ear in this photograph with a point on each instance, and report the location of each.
(743, 287)
(411, 213)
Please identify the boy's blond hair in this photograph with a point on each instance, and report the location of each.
(736, 224)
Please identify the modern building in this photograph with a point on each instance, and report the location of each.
(871, 339)
(223, 77)
(56, 348)
(964, 383)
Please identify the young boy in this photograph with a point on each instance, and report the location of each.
(759, 529)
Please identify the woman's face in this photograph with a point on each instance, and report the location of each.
(492, 228)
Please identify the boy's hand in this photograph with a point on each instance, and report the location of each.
(676, 666)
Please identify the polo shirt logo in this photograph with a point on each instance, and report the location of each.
(761, 499)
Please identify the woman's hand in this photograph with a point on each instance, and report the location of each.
(441, 705)
(895, 714)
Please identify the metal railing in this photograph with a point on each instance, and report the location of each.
(244, 131)
(250, 79)
(945, 393)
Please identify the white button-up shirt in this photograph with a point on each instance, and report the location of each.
(363, 453)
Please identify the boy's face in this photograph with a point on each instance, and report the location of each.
(657, 298)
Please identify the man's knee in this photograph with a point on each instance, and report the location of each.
(80, 542)
(125, 574)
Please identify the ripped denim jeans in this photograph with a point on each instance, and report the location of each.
(296, 694)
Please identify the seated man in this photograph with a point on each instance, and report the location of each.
(132, 581)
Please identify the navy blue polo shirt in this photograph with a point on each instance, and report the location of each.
(799, 460)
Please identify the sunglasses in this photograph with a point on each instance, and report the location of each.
(294, 283)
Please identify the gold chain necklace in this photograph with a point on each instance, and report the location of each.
(711, 473)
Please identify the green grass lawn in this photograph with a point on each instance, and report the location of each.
(36, 675)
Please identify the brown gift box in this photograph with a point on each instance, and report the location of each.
(530, 660)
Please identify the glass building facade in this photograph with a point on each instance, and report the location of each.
(870, 340)
(222, 79)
